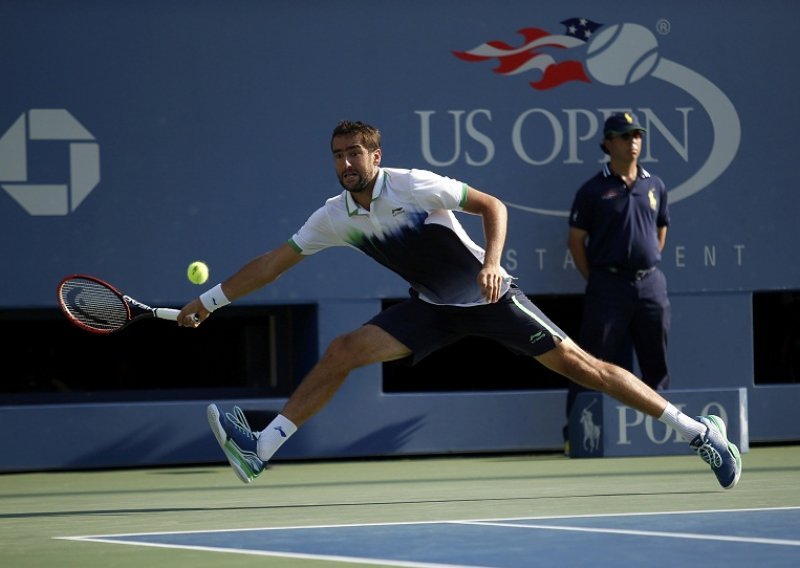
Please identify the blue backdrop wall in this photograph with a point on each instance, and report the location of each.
(139, 136)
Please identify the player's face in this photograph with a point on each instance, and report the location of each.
(356, 167)
(626, 146)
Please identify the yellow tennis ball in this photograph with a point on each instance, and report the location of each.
(197, 272)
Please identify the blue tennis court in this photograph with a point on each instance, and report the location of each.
(743, 537)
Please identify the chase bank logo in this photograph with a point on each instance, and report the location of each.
(614, 55)
(54, 125)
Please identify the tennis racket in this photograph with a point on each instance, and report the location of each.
(98, 307)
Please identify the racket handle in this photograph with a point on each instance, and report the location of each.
(167, 313)
(171, 314)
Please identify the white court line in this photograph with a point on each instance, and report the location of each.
(501, 522)
(274, 553)
(642, 514)
(483, 520)
(660, 534)
(252, 529)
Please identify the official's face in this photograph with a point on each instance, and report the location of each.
(626, 146)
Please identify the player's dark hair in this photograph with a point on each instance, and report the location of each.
(370, 136)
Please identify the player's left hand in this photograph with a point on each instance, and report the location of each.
(490, 279)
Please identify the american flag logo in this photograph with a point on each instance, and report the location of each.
(541, 52)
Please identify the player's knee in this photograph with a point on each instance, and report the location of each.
(582, 367)
(342, 353)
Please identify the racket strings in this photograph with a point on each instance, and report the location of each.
(93, 305)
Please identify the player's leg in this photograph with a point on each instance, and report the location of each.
(248, 451)
(368, 344)
(571, 361)
(409, 327)
(520, 325)
(706, 435)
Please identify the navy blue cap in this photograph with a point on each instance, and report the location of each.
(621, 123)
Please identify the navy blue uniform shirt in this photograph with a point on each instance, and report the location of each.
(621, 222)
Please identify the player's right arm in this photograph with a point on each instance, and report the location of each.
(318, 233)
(262, 270)
(255, 274)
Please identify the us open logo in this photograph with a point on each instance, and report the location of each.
(611, 55)
(43, 125)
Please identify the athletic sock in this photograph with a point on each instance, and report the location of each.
(274, 435)
(688, 427)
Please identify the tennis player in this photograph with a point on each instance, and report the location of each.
(404, 219)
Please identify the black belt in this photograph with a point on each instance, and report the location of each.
(632, 274)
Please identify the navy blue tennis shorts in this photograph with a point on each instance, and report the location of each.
(514, 321)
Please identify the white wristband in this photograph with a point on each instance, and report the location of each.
(214, 298)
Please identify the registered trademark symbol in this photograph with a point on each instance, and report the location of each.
(663, 26)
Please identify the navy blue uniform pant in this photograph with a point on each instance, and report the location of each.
(621, 314)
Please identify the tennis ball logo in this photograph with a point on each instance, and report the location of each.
(197, 273)
(622, 54)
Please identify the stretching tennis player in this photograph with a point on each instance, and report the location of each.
(404, 220)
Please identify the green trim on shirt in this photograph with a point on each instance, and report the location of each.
(293, 244)
(463, 201)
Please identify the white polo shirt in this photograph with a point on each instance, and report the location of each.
(410, 228)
